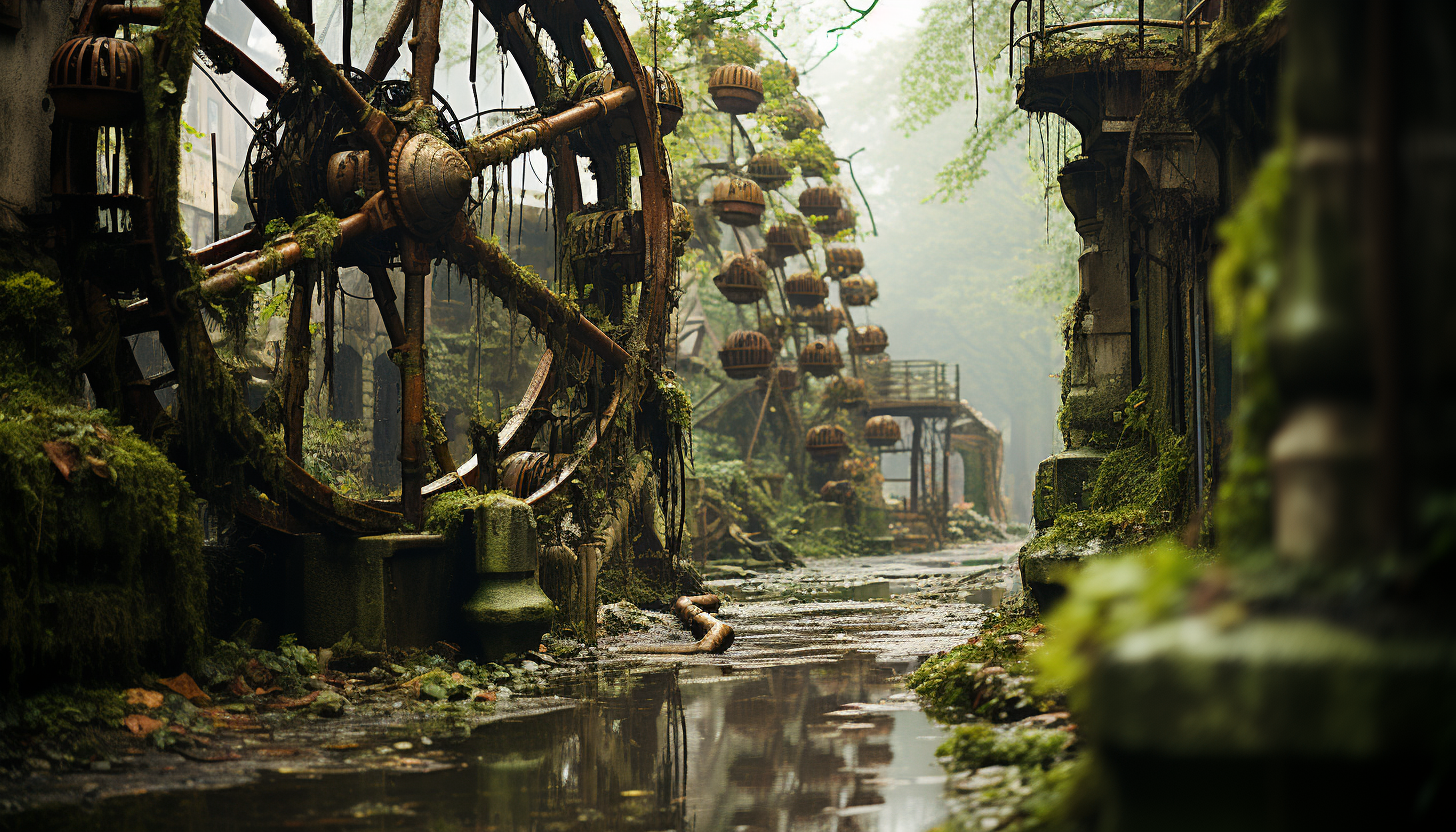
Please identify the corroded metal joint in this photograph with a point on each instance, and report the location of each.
(428, 183)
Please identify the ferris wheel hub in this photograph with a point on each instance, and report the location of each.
(429, 182)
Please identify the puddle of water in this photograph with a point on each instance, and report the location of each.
(694, 749)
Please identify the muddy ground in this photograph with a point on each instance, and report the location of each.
(808, 688)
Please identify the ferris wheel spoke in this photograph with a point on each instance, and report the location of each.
(386, 49)
(535, 134)
(295, 369)
(304, 54)
(234, 275)
(500, 275)
(221, 51)
(426, 47)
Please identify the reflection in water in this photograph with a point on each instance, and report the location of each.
(701, 750)
(779, 751)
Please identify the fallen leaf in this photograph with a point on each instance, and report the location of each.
(146, 698)
(63, 455)
(287, 704)
(102, 433)
(184, 684)
(177, 729)
(237, 687)
(485, 696)
(267, 690)
(98, 467)
(140, 724)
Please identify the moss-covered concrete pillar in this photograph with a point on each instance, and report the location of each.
(1323, 455)
(508, 611)
(1099, 370)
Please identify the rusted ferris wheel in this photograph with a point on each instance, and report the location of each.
(388, 161)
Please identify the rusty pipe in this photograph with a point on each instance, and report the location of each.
(696, 611)
(269, 263)
(510, 142)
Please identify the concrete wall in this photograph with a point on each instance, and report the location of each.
(26, 111)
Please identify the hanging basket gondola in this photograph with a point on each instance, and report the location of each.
(786, 379)
(738, 201)
(797, 117)
(841, 220)
(606, 247)
(856, 290)
(843, 261)
(789, 239)
(742, 279)
(845, 392)
(97, 80)
(745, 354)
(820, 358)
(868, 340)
(736, 89)
(882, 432)
(806, 289)
(826, 442)
(819, 201)
(823, 319)
(768, 171)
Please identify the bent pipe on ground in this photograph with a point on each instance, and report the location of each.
(696, 611)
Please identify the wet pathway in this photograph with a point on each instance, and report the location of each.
(799, 727)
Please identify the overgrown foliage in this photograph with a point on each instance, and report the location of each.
(103, 569)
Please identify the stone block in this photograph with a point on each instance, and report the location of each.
(1042, 574)
(1062, 482)
(505, 536)
(1254, 721)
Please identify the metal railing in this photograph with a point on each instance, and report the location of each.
(913, 380)
(1191, 26)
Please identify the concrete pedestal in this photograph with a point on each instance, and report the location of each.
(508, 611)
(396, 590)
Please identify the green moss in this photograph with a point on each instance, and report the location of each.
(1106, 52)
(986, 676)
(104, 570)
(982, 744)
(810, 153)
(1242, 282)
(446, 513)
(1107, 598)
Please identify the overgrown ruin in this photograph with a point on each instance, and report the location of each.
(540, 402)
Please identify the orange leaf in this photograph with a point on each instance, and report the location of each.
(98, 467)
(146, 698)
(183, 684)
(141, 725)
(63, 455)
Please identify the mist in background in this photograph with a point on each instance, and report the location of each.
(952, 275)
